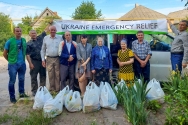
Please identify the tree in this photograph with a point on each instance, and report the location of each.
(185, 3)
(26, 24)
(87, 11)
(45, 22)
(35, 17)
(5, 29)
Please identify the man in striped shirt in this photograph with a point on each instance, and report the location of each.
(142, 54)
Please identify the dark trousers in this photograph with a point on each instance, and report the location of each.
(102, 75)
(38, 68)
(176, 61)
(142, 72)
(13, 69)
(64, 72)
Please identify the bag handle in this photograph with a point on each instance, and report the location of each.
(41, 88)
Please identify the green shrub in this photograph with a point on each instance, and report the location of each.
(153, 105)
(134, 102)
(177, 100)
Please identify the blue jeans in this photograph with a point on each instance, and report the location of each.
(176, 60)
(13, 69)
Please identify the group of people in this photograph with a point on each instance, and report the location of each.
(65, 58)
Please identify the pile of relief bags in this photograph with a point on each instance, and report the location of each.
(94, 98)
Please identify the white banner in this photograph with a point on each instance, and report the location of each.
(111, 27)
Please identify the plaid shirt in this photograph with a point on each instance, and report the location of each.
(141, 50)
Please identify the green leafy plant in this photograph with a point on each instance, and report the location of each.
(133, 99)
(177, 100)
(33, 118)
(153, 105)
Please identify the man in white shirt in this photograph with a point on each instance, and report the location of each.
(50, 50)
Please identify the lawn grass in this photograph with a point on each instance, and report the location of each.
(1, 53)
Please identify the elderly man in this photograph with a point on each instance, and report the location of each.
(142, 54)
(14, 53)
(34, 59)
(179, 48)
(50, 49)
(67, 53)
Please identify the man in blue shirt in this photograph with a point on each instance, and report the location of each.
(14, 53)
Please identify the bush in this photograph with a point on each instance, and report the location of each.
(177, 100)
(133, 99)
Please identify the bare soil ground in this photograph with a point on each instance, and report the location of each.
(101, 117)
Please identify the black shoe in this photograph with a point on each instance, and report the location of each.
(13, 100)
(23, 95)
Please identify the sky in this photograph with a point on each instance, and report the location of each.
(111, 9)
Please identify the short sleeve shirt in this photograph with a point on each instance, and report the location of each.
(34, 47)
(20, 54)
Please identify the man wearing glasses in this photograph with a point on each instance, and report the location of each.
(67, 53)
(50, 49)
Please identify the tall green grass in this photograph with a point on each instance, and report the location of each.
(177, 99)
(133, 99)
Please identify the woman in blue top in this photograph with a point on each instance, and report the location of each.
(101, 62)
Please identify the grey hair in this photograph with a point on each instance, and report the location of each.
(185, 21)
(100, 38)
(32, 31)
(51, 27)
(67, 31)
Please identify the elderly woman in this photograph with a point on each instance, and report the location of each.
(125, 60)
(101, 62)
(83, 72)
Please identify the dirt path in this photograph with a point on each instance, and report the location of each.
(3, 65)
(102, 117)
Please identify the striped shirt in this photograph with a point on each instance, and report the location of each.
(142, 50)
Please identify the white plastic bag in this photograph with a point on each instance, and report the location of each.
(91, 98)
(65, 91)
(140, 82)
(41, 97)
(155, 91)
(73, 101)
(120, 84)
(54, 107)
(101, 86)
(108, 98)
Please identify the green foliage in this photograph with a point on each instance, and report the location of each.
(177, 100)
(26, 24)
(86, 11)
(45, 22)
(185, 3)
(133, 99)
(1, 53)
(153, 105)
(34, 118)
(25, 28)
(5, 30)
